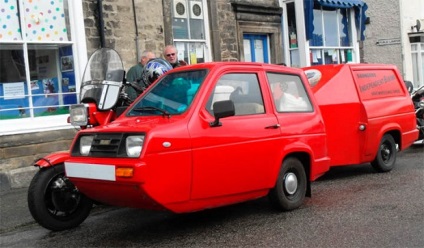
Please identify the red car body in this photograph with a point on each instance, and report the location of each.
(187, 164)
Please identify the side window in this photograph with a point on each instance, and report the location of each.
(243, 89)
(289, 93)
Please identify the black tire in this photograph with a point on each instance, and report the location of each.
(290, 190)
(386, 155)
(54, 202)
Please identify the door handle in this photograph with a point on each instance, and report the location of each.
(275, 126)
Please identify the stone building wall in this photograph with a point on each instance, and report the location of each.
(228, 43)
(120, 28)
(383, 26)
(19, 151)
(229, 19)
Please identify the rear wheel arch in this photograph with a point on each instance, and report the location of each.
(396, 136)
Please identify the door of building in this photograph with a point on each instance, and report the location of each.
(256, 48)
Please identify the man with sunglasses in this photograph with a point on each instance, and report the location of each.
(171, 55)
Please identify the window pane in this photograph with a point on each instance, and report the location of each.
(331, 56)
(197, 30)
(9, 21)
(331, 28)
(191, 52)
(14, 100)
(346, 55)
(288, 93)
(295, 58)
(316, 57)
(344, 24)
(421, 80)
(54, 79)
(46, 22)
(179, 19)
(317, 36)
(243, 90)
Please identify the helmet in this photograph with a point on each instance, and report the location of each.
(154, 69)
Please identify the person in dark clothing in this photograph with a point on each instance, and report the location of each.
(171, 55)
(135, 72)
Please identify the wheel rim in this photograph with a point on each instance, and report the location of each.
(386, 152)
(290, 183)
(61, 197)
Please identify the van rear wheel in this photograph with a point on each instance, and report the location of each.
(386, 155)
(290, 190)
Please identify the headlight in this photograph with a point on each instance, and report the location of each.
(79, 115)
(85, 144)
(134, 145)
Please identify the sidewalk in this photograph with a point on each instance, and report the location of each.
(17, 178)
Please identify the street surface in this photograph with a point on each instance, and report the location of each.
(350, 207)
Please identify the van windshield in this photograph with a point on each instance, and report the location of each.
(171, 95)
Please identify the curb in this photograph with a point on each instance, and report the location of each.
(17, 178)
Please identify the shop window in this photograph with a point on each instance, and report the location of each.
(36, 60)
(331, 41)
(292, 33)
(189, 30)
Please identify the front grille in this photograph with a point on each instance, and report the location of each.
(108, 145)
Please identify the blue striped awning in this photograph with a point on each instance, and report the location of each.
(341, 3)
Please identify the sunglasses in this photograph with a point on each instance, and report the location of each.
(170, 54)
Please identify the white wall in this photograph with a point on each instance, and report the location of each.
(411, 10)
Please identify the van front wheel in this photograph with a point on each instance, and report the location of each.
(290, 189)
(386, 155)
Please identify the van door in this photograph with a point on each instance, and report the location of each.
(385, 101)
(236, 157)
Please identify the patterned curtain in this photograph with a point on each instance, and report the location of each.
(45, 20)
(9, 21)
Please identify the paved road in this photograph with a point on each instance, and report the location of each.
(351, 207)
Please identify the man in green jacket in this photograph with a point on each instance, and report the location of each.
(134, 73)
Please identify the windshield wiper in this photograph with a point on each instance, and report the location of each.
(151, 108)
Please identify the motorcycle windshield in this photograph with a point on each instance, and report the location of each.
(173, 94)
(102, 79)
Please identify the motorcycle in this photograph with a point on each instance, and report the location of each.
(418, 100)
(54, 202)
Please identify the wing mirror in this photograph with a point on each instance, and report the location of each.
(222, 109)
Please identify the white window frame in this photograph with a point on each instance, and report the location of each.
(303, 44)
(206, 41)
(418, 75)
(78, 42)
(354, 47)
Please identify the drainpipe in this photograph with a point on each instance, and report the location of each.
(101, 23)
(136, 33)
